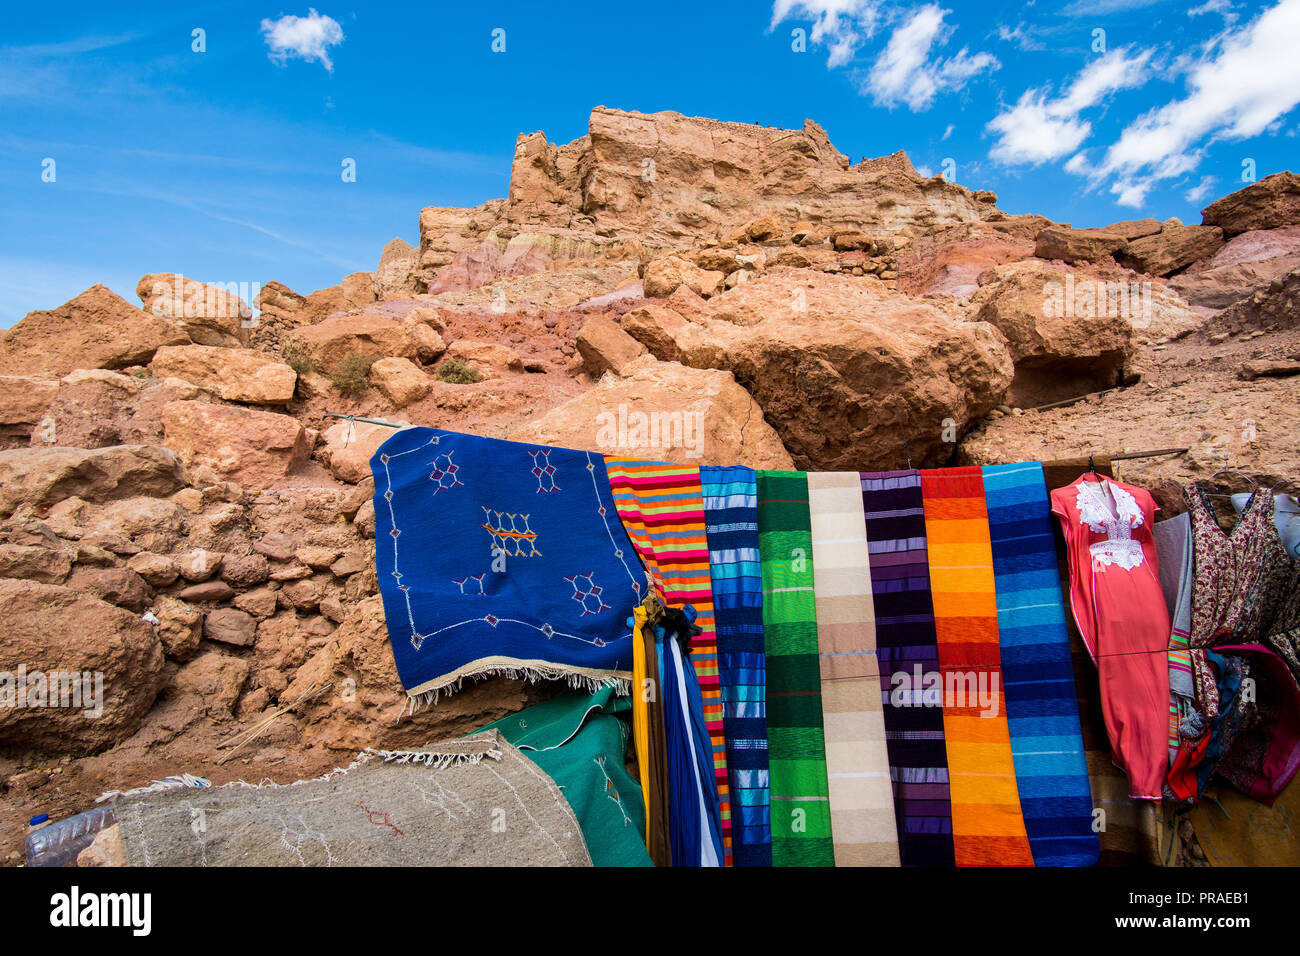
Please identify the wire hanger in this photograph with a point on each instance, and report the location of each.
(1232, 471)
(1254, 485)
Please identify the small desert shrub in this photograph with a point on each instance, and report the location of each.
(458, 372)
(352, 377)
(296, 360)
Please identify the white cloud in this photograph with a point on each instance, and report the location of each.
(1245, 81)
(1099, 8)
(1133, 194)
(308, 38)
(1200, 190)
(904, 71)
(947, 132)
(1021, 37)
(840, 25)
(1222, 7)
(1041, 128)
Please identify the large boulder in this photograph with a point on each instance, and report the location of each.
(90, 670)
(96, 408)
(329, 343)
(849, 373)
(401, 380)
(210, 314)
(1171, 249)
(1067, 334)
(952, 265)
(278, 300)
(348, 447)
(24, 399)
(665, 411)
(487, 357)
(37, 477)
(605, 347)
(665, 274)
(395, 277)
(1272, 202)
(359, 289)
(656, 327)
(1247, 262)
(97, 329)
(1077, 245)
(237, 375)
(248, 446)
(1132, 229)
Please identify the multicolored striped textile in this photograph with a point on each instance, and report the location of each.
(857, 761)
(1038, 675)
(731, 529)
(907, 649)
(987, 825)
(801, 821)
(662, 507)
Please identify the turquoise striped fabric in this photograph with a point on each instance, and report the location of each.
(1041, 702)
(731, 527)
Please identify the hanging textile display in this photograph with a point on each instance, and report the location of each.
(731, 530)
(662, 507)
(801, 822)
(909, 663)
(987, 824)
(495, 557)
(1119, 606)
(1037, 673)
(857, 761)
(854, 668)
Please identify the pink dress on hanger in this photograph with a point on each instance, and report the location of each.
(1120, 610)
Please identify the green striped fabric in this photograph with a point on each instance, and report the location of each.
(801, 817)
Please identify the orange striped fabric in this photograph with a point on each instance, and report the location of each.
(988, 827)
(662, 508)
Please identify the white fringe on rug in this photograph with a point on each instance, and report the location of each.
(529, 672)
(158, 786)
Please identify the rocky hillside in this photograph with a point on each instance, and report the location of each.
(178, 513)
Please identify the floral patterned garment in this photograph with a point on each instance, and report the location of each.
(1240, 580)
(1284, 633)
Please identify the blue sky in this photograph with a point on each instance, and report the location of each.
(225, 165)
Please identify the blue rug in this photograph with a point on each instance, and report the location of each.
(496, 557)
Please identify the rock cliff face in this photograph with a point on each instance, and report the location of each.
(667, 181)
(179, 514)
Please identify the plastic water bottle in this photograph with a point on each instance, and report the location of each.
(57, 844)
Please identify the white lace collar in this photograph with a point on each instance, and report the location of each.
(1094, 506)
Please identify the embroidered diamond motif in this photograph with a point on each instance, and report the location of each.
(587, 593)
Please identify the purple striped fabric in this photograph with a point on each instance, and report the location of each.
(907, 648)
